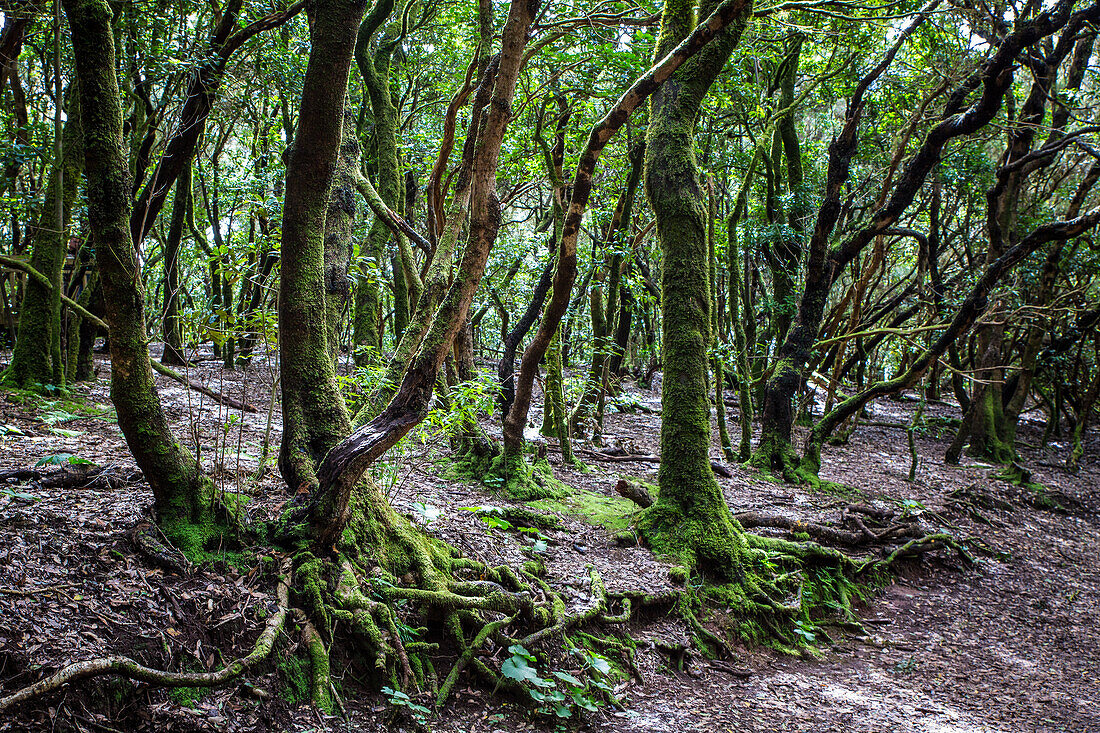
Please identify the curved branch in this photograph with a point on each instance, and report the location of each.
(126, 667)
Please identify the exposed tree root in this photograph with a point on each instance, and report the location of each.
(777, 589)
(74, 476)
(861, 535)
(397, 596)
(126, 667)
(149, 541)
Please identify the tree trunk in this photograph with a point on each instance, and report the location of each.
(690, 519)
(314, 415)
(345, 464)
(181, 496)
(173, 333)
(339, 227)
(36, 358)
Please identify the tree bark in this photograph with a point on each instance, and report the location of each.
(346, 463)
(690, 518)
(170, 324)
(36, 358)
(181, 499)
(315, 418)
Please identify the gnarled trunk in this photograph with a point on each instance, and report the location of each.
(314, 415)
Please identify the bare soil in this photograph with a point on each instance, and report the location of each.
(1009, 646)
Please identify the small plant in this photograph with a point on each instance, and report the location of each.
(401, 700)
(427, 512)
(57, 416)
(805, 631)
(20, 495)
(561, 694)
(491, 516)
(59, 459)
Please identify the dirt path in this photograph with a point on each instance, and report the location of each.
(1010, 646)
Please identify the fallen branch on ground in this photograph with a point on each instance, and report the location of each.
(214, 395)
(126, 667)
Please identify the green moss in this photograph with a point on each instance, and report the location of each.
(611, 512)
(376, 533)
(294, 675)
(535, 568)
(211, 533)
(186, 696)
(990, 436)
(524, 481)
(703, 539)
(313, 588)
(776, 455)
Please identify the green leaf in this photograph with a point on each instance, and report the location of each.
(67, 433)
(55, 460)
(599, 664)
(520, 650)
(428, 512)
(566, 677)
(53, 417)
(584, 701)
(497, 523)
(516, 668)
(602, 686)
(19, 494)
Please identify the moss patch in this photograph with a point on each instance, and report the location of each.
(186, 697)
(294, 675)
(614, 513)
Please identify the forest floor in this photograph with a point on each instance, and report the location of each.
(1011, 645)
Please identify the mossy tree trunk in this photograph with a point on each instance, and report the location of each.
(719, 363)
(36, 358)
(181, 496)
(374, 53)
(554, 418)
(740, 312)
(690, 519)
(825, 263)
(339, 227)
(314, 415)
(566, 270)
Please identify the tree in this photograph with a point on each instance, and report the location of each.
(690, 519)
(36, 359)
(182, 498)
